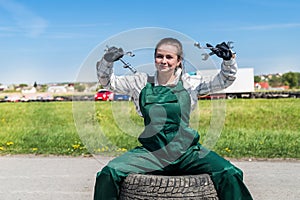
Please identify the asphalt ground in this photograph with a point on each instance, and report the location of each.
(73, 178)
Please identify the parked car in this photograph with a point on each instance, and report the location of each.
(121, 97)
(103, 95)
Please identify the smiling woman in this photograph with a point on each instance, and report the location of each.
(169, 146)
(168, 58)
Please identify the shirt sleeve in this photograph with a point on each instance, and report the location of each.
(126, 84)
(219, 81)
(120, 84)
(104, 72)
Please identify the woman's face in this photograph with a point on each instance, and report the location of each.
(166, 58)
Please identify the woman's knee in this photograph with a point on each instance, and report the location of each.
(229, 173)
(105, 171)
(109, 174)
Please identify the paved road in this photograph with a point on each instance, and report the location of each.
(68, 178)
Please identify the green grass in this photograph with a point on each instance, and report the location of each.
(258, 128)
(41, 128)
(261, 128)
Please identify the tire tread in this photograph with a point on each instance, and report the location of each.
(192, 187)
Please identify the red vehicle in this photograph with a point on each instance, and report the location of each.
(103, 95)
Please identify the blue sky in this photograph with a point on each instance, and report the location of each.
(47, 41)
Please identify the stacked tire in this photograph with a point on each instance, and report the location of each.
(154, 187)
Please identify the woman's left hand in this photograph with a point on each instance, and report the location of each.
(222, 50)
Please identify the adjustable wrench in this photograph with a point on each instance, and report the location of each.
(205, 56)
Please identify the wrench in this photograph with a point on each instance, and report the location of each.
(126, 64)
(197, 44)
(205, 56)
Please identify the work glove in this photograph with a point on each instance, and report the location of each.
(221, 50)
(113, 54)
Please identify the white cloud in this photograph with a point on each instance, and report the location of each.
(26, 20)
(271, 26)
(272, 64)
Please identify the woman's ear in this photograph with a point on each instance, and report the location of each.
(179, 63)
(179, 60)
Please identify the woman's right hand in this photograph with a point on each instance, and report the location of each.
(113, 54)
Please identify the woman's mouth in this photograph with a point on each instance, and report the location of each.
(164, 68)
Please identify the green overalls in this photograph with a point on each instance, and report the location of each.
(169, 147)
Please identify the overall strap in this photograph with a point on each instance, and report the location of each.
(150, 79)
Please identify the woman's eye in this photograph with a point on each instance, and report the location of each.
(159, 56)
(162, 56)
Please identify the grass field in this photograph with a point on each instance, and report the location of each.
(260, 128)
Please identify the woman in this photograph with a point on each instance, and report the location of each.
(169, 145)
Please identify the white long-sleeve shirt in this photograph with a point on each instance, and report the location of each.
(194, 84)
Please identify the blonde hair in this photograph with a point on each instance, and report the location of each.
(173, 42)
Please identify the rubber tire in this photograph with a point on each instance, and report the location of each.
(150, 187)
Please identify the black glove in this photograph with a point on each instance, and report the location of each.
(113, 54)
(221, 50)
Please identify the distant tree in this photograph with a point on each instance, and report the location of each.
(99, 87)
(35, 84)
(22, 85)
(79, 87)
(275, 81)
(292, 79)
(298, 78)
(257, 79)
(43, 88)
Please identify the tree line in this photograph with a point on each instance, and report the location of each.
(291, 79)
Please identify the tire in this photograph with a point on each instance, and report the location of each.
(232, 96)
(150, 187)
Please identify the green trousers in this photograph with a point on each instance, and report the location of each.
(227, 179)
(170, 147)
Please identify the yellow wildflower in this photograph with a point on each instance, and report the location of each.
(1, 148)
(9, 143)
(34, 149)
(121, 150)
(76, 146)
(227, 150)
